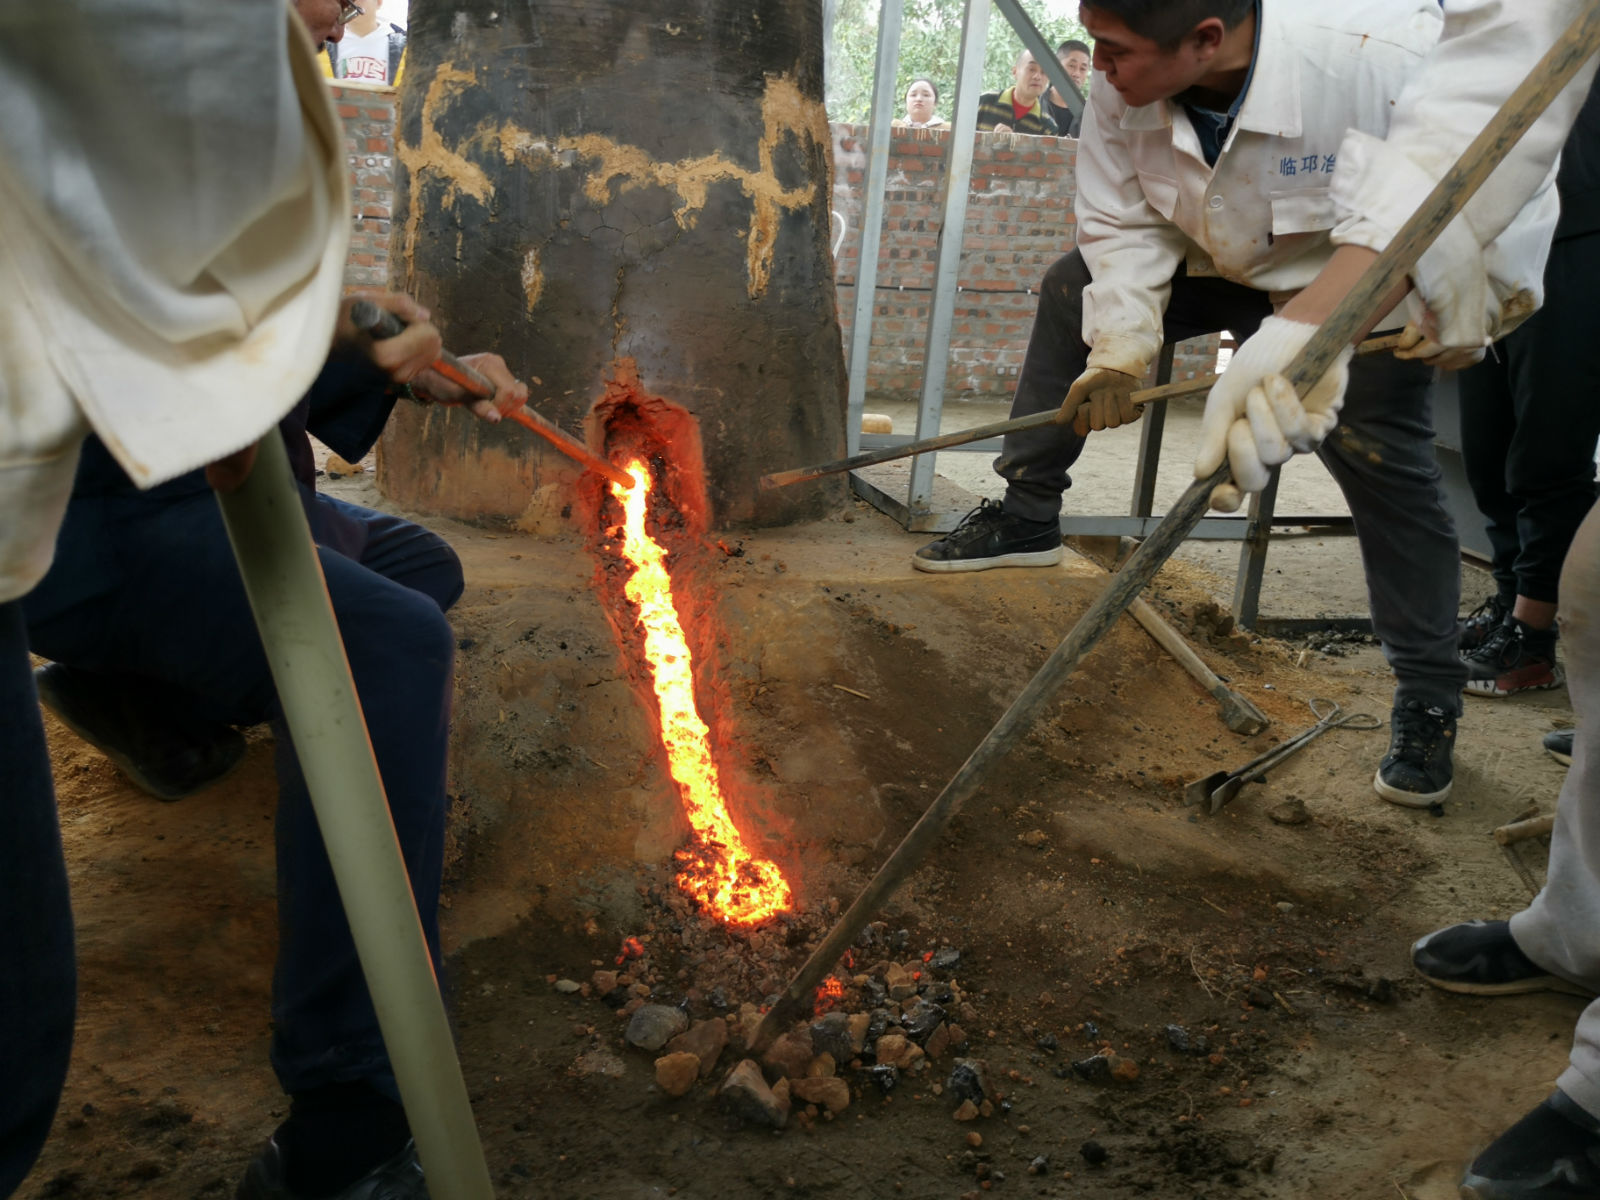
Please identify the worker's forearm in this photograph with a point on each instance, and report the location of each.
(1316, 302)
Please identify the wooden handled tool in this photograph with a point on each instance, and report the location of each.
(1167, 391)
(1342, 327)
(380, 323)
(1238, 714)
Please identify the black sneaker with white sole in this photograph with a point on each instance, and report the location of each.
(1558, 744)
(1553, 1153)
(1476, 626)
(988, 536)
(1481, 958)
(1417, 771)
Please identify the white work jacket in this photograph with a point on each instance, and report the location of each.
(1147, 201)
(173, 229)
(1467, 276)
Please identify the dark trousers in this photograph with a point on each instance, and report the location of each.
(145, 591)
(1381, 456)
(1530, 417)
(37, 984)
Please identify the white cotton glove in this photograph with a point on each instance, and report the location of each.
(1253, 418)
(1416, 345)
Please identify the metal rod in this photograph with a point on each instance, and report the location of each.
(880, 138)
(380, 324)
(952, 230)
(1184, 387)
(1442, 204)
(289, 598)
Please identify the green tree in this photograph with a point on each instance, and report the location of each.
(930, 45)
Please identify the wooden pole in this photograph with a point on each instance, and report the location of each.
(1343, 325)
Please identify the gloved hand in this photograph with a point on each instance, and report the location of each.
(1253, 418)
(1419, 345)
(1101, 398)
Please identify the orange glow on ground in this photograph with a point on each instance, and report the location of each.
(717, 868)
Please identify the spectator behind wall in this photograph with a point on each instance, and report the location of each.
(1074, 57)
(1019, 108)
(921, 98)
(371, 49)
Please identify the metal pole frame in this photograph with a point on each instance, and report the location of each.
(952, 230)
(880, 136)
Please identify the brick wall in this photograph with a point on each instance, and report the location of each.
(368, 112)
(1019, 221)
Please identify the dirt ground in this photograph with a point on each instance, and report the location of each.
(1091, 908)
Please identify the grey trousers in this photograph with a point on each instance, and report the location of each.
(1381, 456)
(1560, 930)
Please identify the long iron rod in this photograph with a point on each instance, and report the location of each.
(1343, 325)
(1167, 391)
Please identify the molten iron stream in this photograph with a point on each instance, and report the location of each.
(718, 869)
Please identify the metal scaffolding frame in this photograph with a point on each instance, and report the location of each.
(916, 511)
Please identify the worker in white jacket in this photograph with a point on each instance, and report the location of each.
(172, 240)
(1490, 46)
(1205, 177)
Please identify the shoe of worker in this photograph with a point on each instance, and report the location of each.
(1480, 623)
(1553, 1153)
(1417, 771)
(988, 536)
(1558, 744)
(165, 756)
(1512, 659)
(1481, 958)
(400, 1178)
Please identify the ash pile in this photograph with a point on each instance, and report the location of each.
(893, 1015)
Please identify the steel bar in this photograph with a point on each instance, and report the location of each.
(952, 230)
(880, 137)
(289, 597)
(1170, 391)
(1342, 327)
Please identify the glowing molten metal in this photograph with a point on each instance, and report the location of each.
(717, 868)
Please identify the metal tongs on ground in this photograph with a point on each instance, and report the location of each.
(1222, 786)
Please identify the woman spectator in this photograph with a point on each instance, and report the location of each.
(921, 97)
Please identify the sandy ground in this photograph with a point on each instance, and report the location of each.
(1088, 902)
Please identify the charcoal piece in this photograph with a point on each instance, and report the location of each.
(1095, 1068)
(899, 939)
(831, 1035)
(967, 1079)
(886, 1077)
(946, 958)
(874, 993)
(1047, 1042)
(877, 1025)
(1093, 1153)
(920, 1019)
(1184, 1042)
(1091, 1032)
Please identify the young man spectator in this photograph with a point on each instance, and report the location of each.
(1529, 424)
(1018, 109)
(1197, 207)
(1073, 56)
(371, 48)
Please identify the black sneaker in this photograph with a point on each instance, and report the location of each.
(988, 536)
(1558, 744)
(1553, 1153)
(165, 756)
(1512, 659)
(1481, 958)
(398, 1179)
(1480, 622)
(1416, 773)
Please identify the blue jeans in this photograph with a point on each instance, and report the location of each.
(37, 982)
(145, 591)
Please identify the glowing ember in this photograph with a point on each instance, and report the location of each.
(831, 991)
(716, 869)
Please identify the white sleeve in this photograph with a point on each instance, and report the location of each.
(1132, 251)
(1488, 48)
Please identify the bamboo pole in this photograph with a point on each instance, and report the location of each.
(289, 598)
